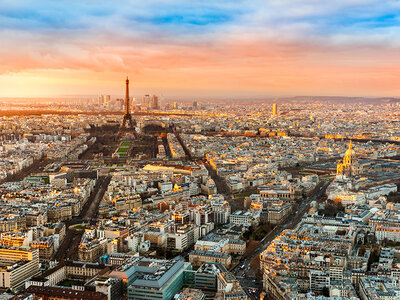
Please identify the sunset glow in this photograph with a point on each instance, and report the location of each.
(207, 48)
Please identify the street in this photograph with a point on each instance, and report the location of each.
(68, 248)
(242, 271)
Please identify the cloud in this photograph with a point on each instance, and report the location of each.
(257, 43)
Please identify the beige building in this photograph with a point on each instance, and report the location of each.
(9, 223)
(59, 213)
(65, 270)
(36, 219)
(215, 244)
(198, 257)
(91, 251)
(45, 246)
(229, 288)
(157, 239)
(183, 237)
(277, 213)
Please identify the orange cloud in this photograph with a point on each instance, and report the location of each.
(232, 67)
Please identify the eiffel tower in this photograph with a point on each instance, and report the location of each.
(127, 115)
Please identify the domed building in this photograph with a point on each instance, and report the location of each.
(350, 165)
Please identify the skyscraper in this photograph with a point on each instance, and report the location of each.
(146, 99)
(155, 103)
(274, 109)
(100, 100)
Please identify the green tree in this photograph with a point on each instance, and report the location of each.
(362, 250)
(325, 291)
(161, 252)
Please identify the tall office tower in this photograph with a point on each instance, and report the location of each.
(133, 105)
(194, 104)
(107, 99)
(274, 109)
(155, 103)
(100, 100)
(175, 105)
(127, 115)
(146, 101)
(120, 102)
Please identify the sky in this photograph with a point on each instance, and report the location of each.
(217, 48)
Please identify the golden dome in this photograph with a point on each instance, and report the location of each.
(350, 155)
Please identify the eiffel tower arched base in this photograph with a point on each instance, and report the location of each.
(127, 121)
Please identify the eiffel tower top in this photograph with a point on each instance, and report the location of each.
(127, 96)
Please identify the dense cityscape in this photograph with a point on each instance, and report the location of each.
(200, 150)
(106, 198)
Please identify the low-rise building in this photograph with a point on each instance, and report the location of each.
(198, 257)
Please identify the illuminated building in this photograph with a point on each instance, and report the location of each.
(16, 238)
(17, 265)
(45, 246)
(390, 233)
(278, 212)
(146, 99)
(155, 102)
(274, 109)
(350, 165)
(15, 254)
(181, 217)
(198, 257)
(281, 193)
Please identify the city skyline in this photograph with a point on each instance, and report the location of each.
(248, 201)
(198, 150)
(206, 49)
